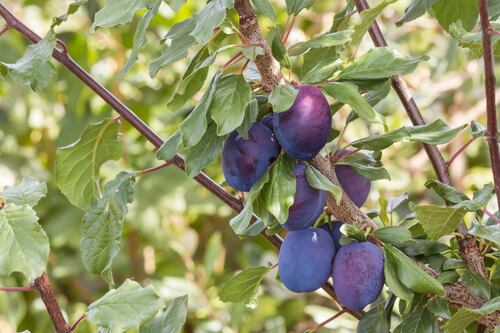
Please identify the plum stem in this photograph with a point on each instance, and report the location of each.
(323, 323)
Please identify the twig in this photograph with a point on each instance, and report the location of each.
(17, 289)
(73, 327)
(489, 87)
(4, 29)
(237, 57)
(459, 151)
(287, 33)
(155, 168)
(245, 66)
(491, 215)
(42, 285)
(332, 318)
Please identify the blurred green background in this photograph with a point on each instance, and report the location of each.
(176, 235)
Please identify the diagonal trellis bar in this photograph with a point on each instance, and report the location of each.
(126, 113)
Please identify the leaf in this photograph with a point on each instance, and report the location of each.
(242, 287)
(282, 97)
(439, 307)
(472, 40)
(392, 280)
(231, 97)
(366, 165)
(479, 285)
(411, 275)
(374, 321)
(24, 245)
(490, 232)
(140, 35)
(380, 63)
(170, 147)
(321, 70)
(34, 68)
(278, 48)
(279, 192)
(434, 133)
(318, 181)
(439, 221)
(176, 51)
(321, 41)
(102, 225)
(195, 125)
(252, 51)
(464, 316)
(447, 192)
(251, 114)
(418, 320)
(78, 164)
(116, 12)
(347, 93)
(295, 6)
(450, 11)
(423, 247)
(201, 154)
(28, 192)
(175, 5)
(170, 321)
(72, 8)
(367, 18)
(125, 307)
(415, 9)
(477, 130)
(480, 199)
(210, 18)
(393, 235)
(264, 7)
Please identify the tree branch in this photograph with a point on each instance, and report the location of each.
(42, 285)
(468, 247)
(489, 87)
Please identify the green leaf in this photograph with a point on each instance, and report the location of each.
(321, 41)
(277, 47)
(170, 147)
(28, 192)
(264, 7)
(318, 181)
(140, 35)
(374, 321)
(170, 321)
(423, 247)
(434, 133)
(411, 275)
(204, 152)
(366, 165)
(380, 63)
(116, 12)
(464, 316)
(321, 70)
(480, 199)
(210, 18)
(490, 232)
(34, 68)
(72, 8)
(393, 235)
(282, 97)
(251, 114)
(176, 51)
(477, 130)
(252, 51)
(125, 307)
(415, 9)
(175, 5)
(295, 6)
(367, 19)
(447, 192)
(472, 40)
(479, 285)
(439, 307)
(231, 97)
(102, 225)
(418, 320)
(348, 93)
(279, 192)
(392, 280)
(353, 231)
(243, 287)
(78, 164)
(23, 243)
(439, 221)
(195, 125)
(450, 11)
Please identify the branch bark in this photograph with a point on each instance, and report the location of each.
(468, 247)
(489, 87)
(42, 285)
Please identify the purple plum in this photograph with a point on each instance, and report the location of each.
(356, 186)
(334, 233)
(303, 130)
(305, 259)
(358, 274)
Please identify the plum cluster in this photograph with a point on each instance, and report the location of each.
(309, 256)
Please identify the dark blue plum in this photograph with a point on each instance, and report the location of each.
(244, 161)
(356, 186)
(308, 202)
(334, 232)
(305, 259)
(358, 274)
(268, 121)
(303, 130)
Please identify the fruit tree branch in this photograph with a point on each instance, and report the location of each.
(127, 114)
(468, 247)
(42, 285)
(489, 86)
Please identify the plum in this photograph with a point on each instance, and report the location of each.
(308, 202)
(334, 233)
(268, 121)
(356, 186)
(358, 274)
(244, 161)
(303, 130)
(305, 259)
